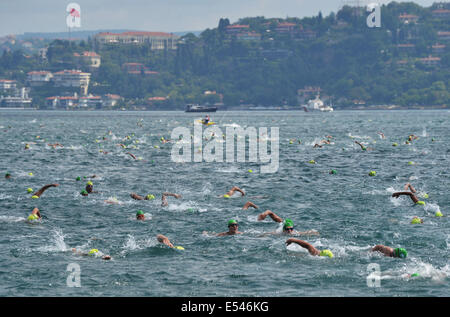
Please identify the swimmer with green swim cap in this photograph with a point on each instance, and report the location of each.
(311, 249)
(362, 146)
(84, 193)
(7, 175)
(288, 225)
(232, 229)
(391, 252)
(140, 215)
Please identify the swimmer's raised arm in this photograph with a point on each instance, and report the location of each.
(164, 240)
(411, 195)
(136, 196)
(312, 250)
(43, 189)
(362, 146)
(409, 186)
(271, 214)
(132, 155)
(164, 199)
(233, 190)
(249, 204)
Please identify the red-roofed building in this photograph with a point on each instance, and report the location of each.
(157, 40)
(408, 18)
(438, 48)
(248, 36)
(287, 28)
(92, 59)
(38, 78)
(443, 35)
(441, 14)
(6, 84)
(430, 61)
(72, 78)
(237, 28)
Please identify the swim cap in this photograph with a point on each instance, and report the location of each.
(31, 174)
(93, 251)
(90, 183)
(333, 172)
(416, 221)
(150, 197)
(372, 173)
(7, 174)
(400, 253)
(288, 223)
(139, 212)
(29, 190)
(438, 214)
(394, 144)
(84, 192)
(414, 274)
(250, 171)
(32, 217)
(410, 163)
(420, 202)
(232, 222)
(326, 253)
(226, 196)
(78, 178)
(34, 196)
(179, 247)
(312, 162)
(425, 195)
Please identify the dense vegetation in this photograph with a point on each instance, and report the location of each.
(347, 59)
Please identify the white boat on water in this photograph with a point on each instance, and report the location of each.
(318, 105)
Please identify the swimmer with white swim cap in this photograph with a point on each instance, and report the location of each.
(311, 249)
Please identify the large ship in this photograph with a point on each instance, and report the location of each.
(317, 105)
(198, 108)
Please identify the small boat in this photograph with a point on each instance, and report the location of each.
(197, 108)
(318, 105)
(209, 123)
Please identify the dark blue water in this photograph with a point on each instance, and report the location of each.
(351, 210)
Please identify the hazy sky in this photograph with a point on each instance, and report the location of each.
(19, 16)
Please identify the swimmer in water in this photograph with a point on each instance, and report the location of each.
(317, 145)
(249, 204)
(54, 145)
(35, 215)
(362, 146)
(412, 137)
(288, 225)
(311, 249)
(90, 188)
(43, 189)
(164, 240)
(410, 193)
(27, 147)
(132, 155)
(164, 202)
(7, 175)
(138, 197)
(92, 252)
(232, 191)
(232, 229)
(388, 251)
(140, 215)
(381, 135)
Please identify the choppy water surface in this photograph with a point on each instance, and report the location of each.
(351, 210)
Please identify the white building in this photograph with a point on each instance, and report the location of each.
(37, 78)
(6, 84)
(72, 78)
(157, 40)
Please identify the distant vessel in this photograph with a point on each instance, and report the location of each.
(317, 105)
(197, 108)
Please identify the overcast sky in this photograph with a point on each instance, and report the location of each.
(19, 16)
